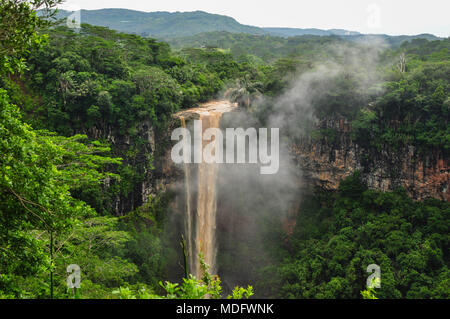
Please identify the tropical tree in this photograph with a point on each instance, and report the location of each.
(245, 91)
(19, 30)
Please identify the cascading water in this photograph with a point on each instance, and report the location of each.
(201, 239)
(206, 206)
(188, 223)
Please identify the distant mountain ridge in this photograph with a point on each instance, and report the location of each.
(162, 24)
(292, 32)
(170, 25)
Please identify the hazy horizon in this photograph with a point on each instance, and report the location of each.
(364, 16)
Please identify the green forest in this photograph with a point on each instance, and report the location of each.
(76, 106)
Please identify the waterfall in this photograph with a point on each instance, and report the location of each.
(206, 206)
(201, 239)
(188, 219)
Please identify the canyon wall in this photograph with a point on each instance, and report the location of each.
(324, 163)
(321, 162)
(146, 151)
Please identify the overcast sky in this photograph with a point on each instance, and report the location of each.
(367, 16)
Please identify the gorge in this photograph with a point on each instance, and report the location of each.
(88, 178)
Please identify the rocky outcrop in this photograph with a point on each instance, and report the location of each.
(323, 162)
(326, 162)
(145, 151)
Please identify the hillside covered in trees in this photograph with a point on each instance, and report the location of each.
(162, 25)
(169, 25)
(84, 122)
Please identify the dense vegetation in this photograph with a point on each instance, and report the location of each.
(265, 47)
(74, 109)
(58, 185)
(272, 46)
(122, 79)
(339, 234)
(415, 107)
(162, 25)
(102, 83)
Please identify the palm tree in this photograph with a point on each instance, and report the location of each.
(245, 92)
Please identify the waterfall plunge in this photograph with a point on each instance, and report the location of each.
(200, 227)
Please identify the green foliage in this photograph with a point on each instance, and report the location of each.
(246, 92)
(97, 86)
(266, 47)
(413, 110)
(148, 249)
(342, 233)
(100, 78)
(115, 87)
(329, 135)
(369, 293)
(118, 88)
(95, 244)
(156, 88)
(190, 288)
(43, 224)
(82, 160)
(241, 293)
(18, 31)
(163, 24)
(34, 194)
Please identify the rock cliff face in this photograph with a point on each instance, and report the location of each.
(166, 174)
(322, 162)
(146, 152)
(325, 163)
